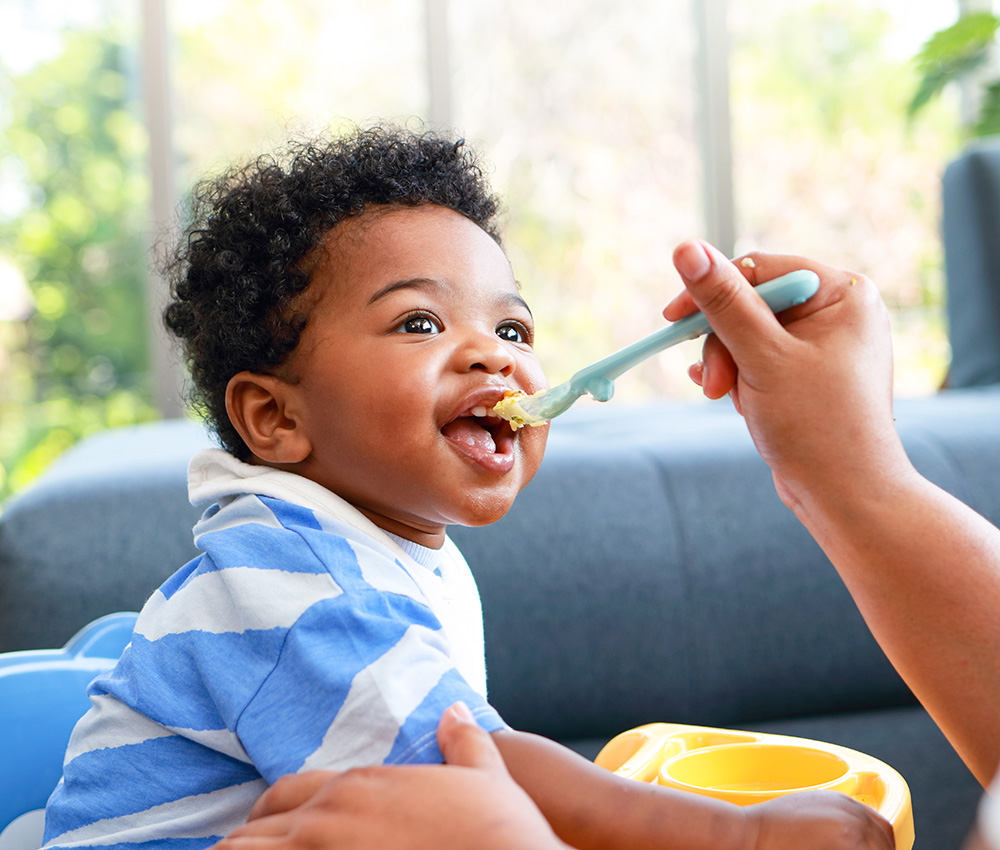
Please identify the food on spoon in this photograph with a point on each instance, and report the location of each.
(509, 408)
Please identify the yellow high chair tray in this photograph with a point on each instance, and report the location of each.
(751, 767)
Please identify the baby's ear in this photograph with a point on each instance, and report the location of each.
(261, 408)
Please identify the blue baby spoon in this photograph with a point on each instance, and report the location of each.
(598, 379)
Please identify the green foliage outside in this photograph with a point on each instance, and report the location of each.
(78, 364)
(828, 165)
(953, 54)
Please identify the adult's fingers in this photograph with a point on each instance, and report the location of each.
(756, 268)
(465, 743)
(256, 841)
(716, 374)
(290, 792)
(737, 315)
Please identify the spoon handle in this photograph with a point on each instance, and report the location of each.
(779, 294)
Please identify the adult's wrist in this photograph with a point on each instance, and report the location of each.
(847, 488)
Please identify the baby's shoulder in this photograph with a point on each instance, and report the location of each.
(269, 533)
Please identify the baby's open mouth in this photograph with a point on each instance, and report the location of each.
(480, 431)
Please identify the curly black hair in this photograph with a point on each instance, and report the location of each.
(236, 273)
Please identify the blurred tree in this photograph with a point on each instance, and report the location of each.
(964, 52)
(71, 145)
(826, 164)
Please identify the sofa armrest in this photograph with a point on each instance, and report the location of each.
(97, 533)
(970, 220)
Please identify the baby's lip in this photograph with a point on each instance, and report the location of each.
(479, 404)
(479, 434)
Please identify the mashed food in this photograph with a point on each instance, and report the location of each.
(509, 408)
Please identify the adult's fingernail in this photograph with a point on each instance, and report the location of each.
(692, 261)
(461, 711)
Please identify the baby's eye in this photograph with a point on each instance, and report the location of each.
(514, 332)
(419, 324)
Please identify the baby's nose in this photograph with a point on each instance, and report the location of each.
(488, 353)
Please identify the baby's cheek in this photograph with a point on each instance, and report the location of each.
(539, 382)
(532, 442)
(530, 374)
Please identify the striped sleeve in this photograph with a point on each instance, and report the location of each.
(283, 648)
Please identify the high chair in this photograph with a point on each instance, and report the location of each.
(42, 695)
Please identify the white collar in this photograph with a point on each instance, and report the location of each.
(215, 475)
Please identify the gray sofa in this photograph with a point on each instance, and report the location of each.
(660, 579)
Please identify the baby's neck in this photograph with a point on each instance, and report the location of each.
(428, 537)
(423, 555)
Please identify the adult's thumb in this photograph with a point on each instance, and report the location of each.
(464, 742)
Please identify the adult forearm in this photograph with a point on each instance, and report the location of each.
(589, 807)
(924, 570)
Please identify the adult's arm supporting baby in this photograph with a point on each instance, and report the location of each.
(589, 807)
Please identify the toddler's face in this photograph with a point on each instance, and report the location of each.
(416, 323)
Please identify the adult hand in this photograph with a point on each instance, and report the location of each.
(816, 390)
(469, 804)
(820, 820)
(975, 842)
(815, 385)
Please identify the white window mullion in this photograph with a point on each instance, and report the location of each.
(715, 141)
(155, 65)
(439, 113)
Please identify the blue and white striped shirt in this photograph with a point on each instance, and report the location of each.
(304, 637)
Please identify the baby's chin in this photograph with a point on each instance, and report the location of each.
(484, 509)
(495, 495)
(484, 516)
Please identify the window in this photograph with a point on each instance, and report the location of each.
(826, 165)
(593, 113)
(73, 202)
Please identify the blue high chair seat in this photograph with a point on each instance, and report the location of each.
(43, 693)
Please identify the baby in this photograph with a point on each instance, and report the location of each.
(350, 320)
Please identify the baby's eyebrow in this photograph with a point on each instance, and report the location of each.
(513, 299)
(408, 283)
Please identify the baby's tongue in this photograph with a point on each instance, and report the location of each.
(468, 432)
